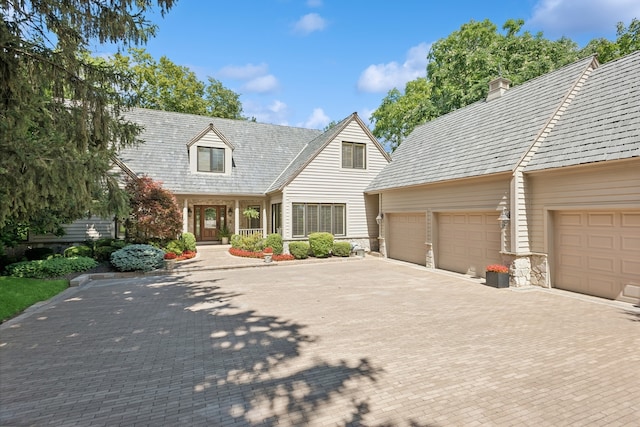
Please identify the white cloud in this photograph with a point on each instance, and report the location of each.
(314, 3)
(569, 17)
(317, 120)
(384, 77)
(275, 113)
(244, 72)
(262, 84)
(309, 23)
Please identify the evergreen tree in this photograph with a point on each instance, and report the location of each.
(60, 109)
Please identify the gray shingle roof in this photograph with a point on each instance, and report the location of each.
(601, 123)
(481, 138)
(261, 152)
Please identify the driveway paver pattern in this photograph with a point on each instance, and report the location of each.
(356, 343)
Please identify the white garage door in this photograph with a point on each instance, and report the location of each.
(468, 242)
(406, 237)
(598, 253)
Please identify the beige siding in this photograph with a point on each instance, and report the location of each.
(77, 231)
(616, 185)
(325, 181)
(480, 194)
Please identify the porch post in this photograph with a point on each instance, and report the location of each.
(236, 218)
(185, 216)
(264, 219)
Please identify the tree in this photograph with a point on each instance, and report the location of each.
(164, 85)
(627, 41)
(460, 68)
(59, 109)
(154, 211)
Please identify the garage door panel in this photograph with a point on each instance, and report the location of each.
(601, 220)
(598, 253)
(468, 242)
(407, 235)
(601, 242)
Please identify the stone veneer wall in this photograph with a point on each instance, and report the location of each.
(527, 270)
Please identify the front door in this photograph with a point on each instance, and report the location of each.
(207, 222)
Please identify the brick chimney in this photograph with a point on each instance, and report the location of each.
(497, 87)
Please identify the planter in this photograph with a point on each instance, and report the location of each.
(497, 280)
(268, 257)
(224, 240)
(169, 264)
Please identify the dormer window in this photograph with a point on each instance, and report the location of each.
(211, 159)
(210, 153)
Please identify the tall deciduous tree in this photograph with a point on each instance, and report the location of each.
(164, 85)
(627, 41)
(59, 109)
(460, 68)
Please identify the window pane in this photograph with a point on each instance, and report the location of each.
(338, 220)
(347, 155)
(312, 219)
(325, 218)
(217, 159)
(358, 156)
(297, 217)
(204, 159)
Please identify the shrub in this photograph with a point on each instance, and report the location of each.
(54, 267)
(170, 255)
(300, 250)
(188, 241)
(102, 242)
(252, 243)
(75, 251)
(321, 244)
(283, 257)
(274, 240)
(103, 253)
(137, 258)
(341, 249)
(38, 253)
(175, 246)
(118, 244)
(236, 241)
(244, 253)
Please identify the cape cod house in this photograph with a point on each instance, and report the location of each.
(544, 177)
(298, 180)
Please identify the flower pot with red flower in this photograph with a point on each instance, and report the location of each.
(170, 259)
(268, 254)
(497, 275)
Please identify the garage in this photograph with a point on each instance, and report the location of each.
(597, 253)
(407, 236)
(468, 242)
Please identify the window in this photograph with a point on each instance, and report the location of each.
(276, 218)
(308, 218)
(254, 222)
(353, 155)
(210, 159)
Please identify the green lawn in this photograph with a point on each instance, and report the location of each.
(17, 293)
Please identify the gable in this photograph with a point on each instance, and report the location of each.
(349, 130)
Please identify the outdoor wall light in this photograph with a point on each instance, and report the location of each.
(504, 218)
(379, 218)
(230, 211)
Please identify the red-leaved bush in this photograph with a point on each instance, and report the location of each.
(154, 211)
(170, 255)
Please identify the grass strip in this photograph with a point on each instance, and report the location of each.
(17, 293)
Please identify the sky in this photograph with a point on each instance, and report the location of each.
(306, 63)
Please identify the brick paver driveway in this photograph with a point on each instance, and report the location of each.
(359, 342)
